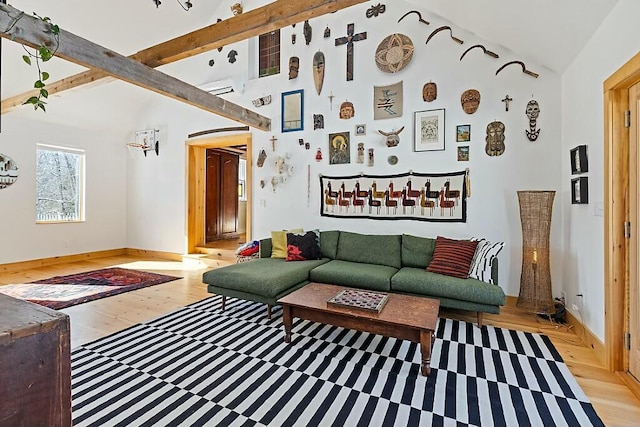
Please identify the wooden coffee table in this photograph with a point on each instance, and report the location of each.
(403, 316)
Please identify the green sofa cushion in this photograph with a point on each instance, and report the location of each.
(265, 248)
(266, 277)
(370, 248)
(329, 243)
(356, 275)
(418, 281)
(417, 251)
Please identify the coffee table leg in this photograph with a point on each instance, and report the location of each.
(426, 342)
(287, 321)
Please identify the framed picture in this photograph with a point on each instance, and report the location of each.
(361, 130)
(579, 160)
(339, 148)
(580, 190)
(292, 110)
(463, 133)
(463, 153)
(428, 130)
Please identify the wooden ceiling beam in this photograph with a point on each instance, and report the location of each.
(33, 32)
(253, 23)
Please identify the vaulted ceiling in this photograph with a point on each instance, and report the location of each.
(547, 32)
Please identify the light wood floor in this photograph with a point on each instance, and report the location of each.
(613, 401)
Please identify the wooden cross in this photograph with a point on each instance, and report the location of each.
(331, 96)
(506, 101)
(348, 40)
(273, 142)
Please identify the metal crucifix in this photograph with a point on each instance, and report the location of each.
(506, 101)
(348, 40)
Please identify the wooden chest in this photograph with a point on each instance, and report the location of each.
(35, 365)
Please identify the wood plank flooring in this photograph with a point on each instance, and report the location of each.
(614, 402)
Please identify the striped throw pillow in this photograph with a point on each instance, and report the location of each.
(486, 252)
(452, 257)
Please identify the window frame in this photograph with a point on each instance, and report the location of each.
(277, 54)
(81, 176)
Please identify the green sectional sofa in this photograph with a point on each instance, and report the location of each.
(388, 263)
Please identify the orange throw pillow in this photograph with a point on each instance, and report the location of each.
(452, 257)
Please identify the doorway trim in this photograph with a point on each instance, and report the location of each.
(616, 176)
(196, 155)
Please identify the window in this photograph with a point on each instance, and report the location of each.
(59, 184)
(269, 54)
(242, 180)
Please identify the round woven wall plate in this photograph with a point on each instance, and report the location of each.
(394, 53)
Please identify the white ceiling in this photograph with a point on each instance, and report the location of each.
(549, 32)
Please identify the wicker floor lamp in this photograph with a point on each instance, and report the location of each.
(535, 278)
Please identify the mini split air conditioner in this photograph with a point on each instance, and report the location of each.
(224, 86)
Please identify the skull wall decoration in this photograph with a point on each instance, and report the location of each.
(393, 138)
(532, 112)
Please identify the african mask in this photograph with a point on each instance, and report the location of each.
(495, 139)
(346, 110)
(306, 31)
(318, 121)
(470, 100)
(532, 112)
(236, 9)
(294, 64)
(429, 92)
(360, 158)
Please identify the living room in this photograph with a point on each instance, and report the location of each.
(141, 202)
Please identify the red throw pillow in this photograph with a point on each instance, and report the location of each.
(452, 257)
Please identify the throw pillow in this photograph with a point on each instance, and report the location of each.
(486, 252)
(279, 242)
(302, 247)
(452, 257)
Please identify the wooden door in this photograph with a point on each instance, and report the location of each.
(633, 309)
(221, 198)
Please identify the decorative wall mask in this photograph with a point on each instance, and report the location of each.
(232, 56)
(318, 121)
(318, 155)
(236, 9)
(294, 65)
(307, 32)
(394, 53)
(533, 111)
(265, 100)
(8, 171)
(262, 156)
(470, 101)
(301, 142)
(430, 92)
(307, 145)
(387, 101)
(360, 158)
(524, 68)
(349, 40)
(211, 63)
(417, 13)
(443, 28)
(495, 139)
(506, 101)
(347, 110)
(318, 70)
(371, 158)
(393, 137)
(262, 183)
(376, 10)
(339, 148)
(327, 32)
(484, 49)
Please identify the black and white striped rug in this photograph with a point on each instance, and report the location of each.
(199, 366)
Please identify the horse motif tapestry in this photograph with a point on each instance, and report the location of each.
(412, 196)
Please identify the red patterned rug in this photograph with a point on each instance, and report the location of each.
(64, 291)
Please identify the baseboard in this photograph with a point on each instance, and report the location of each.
(154, 254)
(43, 262)
(581, 331)
(630, 382)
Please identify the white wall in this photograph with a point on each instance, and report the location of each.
(105, 226)
(615, 42)
(156, 195)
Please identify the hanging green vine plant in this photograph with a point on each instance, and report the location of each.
(42, 54)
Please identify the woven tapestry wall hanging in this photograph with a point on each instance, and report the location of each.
(387, 101)
(413, 196)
